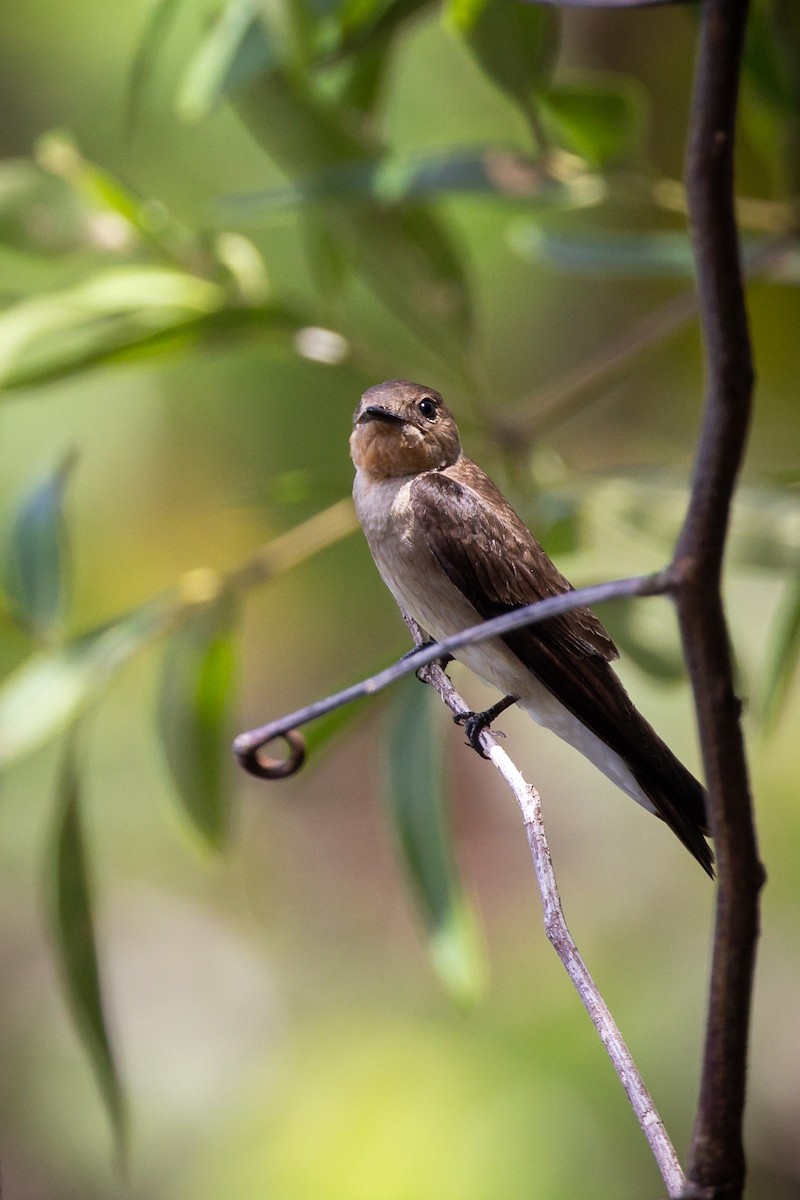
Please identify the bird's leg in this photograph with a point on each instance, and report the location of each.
(475, 722)
(443, 662)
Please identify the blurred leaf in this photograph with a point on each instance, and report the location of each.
(363, 80)
(765, 531)
(405, 257)
(494, 170)
(319, 733)
(326, 260)
(639, 633)
(49, 691)
(361, 28)
(623, 254)
(236, 51)
(58, 153)
(117, 220)
(157, 23)
(601, 118)
(772, 54)
(771, 108)
(41, 219)
(515, 44)
(119, 314)
(781, 663)
(355, 14)
(361, 43)
(415, 798)
(193, 719)
(35, 575)
(72, 921)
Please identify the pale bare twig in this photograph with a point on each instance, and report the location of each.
(561, 939)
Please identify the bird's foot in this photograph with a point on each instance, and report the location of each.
(475, 722)
(443, 662)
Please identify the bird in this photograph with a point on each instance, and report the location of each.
(453, 552)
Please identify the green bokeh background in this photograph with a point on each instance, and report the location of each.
(279, 1029)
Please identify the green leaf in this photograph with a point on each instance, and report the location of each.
(784, 653)
(625, 255)
(405, 257)
(415, 801)
(319, 733)
(120, 314)
(514, 43)
(643, 635)
(492, 170)
(72, 922)
(236, 51)
(601, 118)
(36, 561)
(363, 81)
(771, 61)
(193, 716)
(159, 19)
(356, 14)
(365, 26)
(47, 693)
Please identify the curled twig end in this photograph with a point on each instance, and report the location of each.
(250, 756)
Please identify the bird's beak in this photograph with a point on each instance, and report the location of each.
(374, 412)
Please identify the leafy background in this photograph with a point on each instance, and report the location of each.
(224, 982)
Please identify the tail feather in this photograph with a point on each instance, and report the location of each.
(678, 798)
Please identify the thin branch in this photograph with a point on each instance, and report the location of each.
(561, 939)
(530, 418)
(533, 416)
(716, 1166)
(248, 746)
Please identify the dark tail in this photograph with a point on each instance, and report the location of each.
(678, 798)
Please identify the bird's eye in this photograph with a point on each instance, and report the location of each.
(427, 407)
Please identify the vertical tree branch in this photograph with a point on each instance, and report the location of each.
(716, 1165)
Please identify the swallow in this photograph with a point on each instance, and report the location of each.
(453, 552)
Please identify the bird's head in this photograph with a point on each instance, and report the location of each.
(402, 428)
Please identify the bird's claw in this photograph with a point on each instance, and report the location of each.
(474, 725)
(475, 722)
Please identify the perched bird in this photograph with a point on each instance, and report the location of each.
(452, 552)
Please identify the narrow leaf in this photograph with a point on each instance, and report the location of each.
(601, 118)
(628, 255)
(49, 691)
(405, 257)
(122, 314)
(514, 43)
(319, 733)
(36, 560)
(415, 802)
(72, 921)
(784, 653)
(772, 56)
(236, 51)
(364, 29)
(491, 170)
(355, 14)
(159, 19)
(193, 711)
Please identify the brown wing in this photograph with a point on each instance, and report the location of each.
(491, 552)
(494, 560)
